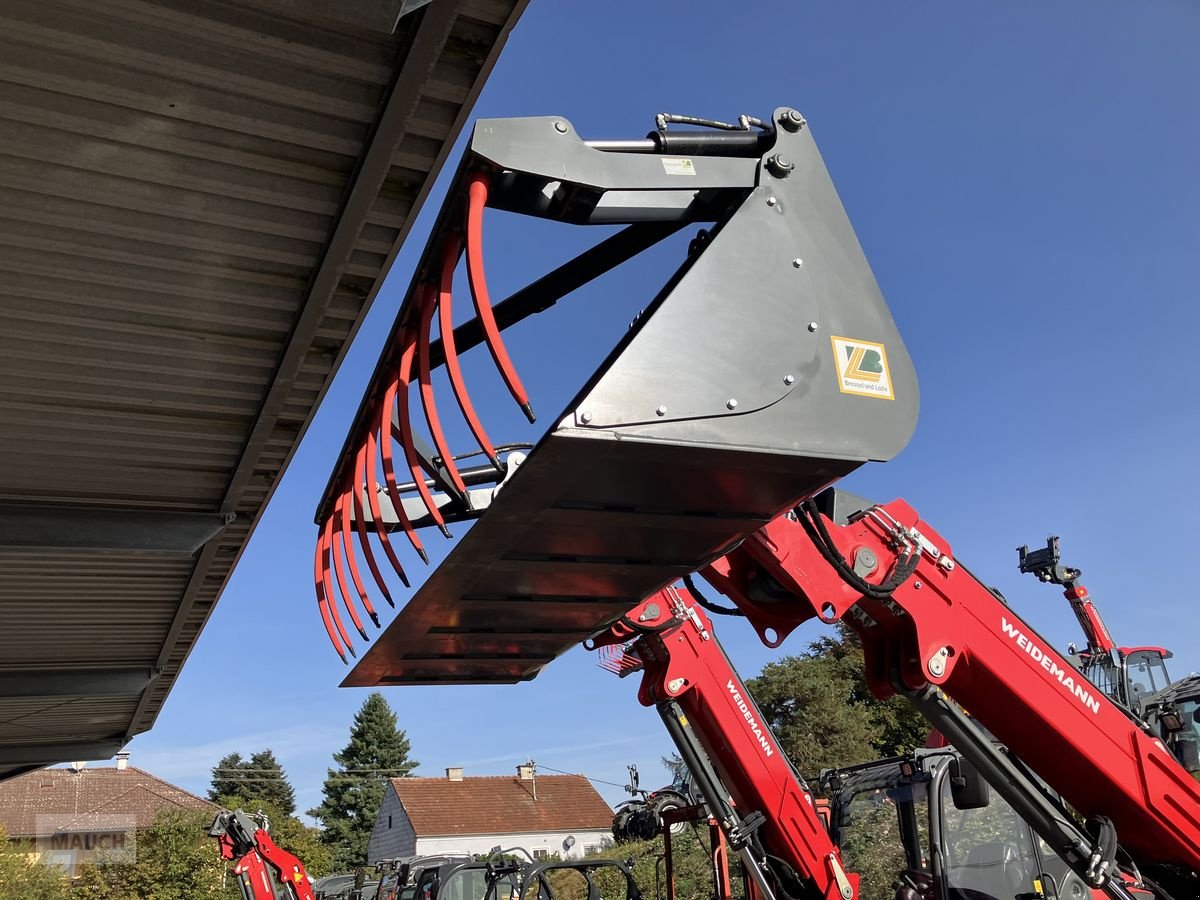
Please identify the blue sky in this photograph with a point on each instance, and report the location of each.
(1022, 177)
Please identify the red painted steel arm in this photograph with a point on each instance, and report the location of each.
(941, 626)
(1100, 642)
(288, 869)
(684, 663)
(253, 877)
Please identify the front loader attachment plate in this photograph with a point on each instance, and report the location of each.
(765, 369)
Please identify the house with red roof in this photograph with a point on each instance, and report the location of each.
(69, 816)
(544, 814)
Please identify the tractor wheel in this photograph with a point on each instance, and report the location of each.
(620, 825)
(667, 801)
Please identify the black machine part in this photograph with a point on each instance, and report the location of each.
(1046, 564)
(767, 367)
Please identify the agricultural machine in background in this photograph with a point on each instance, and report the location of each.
(264, 871)
(764, 370)
(641, 818)
(1136, 678)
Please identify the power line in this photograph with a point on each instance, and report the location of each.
(588, 777)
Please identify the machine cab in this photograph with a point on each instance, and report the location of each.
(1145, 671)
(927, 827)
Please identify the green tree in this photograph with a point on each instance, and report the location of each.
(378, 750)
(303, 841)
(822, 712)
(257, 780)
(228, 777)
(269, 783)
(175, 859)
(23, 877)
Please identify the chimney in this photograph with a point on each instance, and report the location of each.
(454, 773)
(528, 772)
(122, 760)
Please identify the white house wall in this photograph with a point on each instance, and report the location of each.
(550, 841)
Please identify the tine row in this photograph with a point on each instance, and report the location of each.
(389, 422)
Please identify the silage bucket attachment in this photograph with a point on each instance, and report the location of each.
(766, 367)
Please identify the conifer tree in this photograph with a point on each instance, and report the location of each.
(228, 777)
(244, 783)
(268, 782)
(378, 750)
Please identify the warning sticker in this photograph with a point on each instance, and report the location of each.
(862, 368)
(678, 166)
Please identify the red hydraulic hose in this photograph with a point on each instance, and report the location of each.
(451, 247)
(477, 194)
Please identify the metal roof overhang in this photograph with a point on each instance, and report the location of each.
(198, 202)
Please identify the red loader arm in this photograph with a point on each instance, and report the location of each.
(928, 626)
(1099, 640)
(245, 839)
(768, 809)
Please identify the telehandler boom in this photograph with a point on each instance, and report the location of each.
(765, 369)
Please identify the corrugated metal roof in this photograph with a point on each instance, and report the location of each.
(198, 200)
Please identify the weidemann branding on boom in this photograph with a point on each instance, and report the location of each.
(1043, 659)
(749, 717)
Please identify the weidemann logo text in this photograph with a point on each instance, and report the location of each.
(1043, 659)
(748, 715)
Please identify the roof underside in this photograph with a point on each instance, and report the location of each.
(198, 202)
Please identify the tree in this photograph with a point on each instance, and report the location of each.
(821, 710)
(353, 792)
(269, 784)
(256, 781)
(228, 778)
(175, 860)
(675, 766)
(23, 877)
(302, 840)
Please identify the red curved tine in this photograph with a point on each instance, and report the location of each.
(389, 475)
(347, 503)
(334, 545)
(397, 399)
(327, 583)
(360, 484)
(451, 247)
(428, 401)
(404, 419)
(477, 194)
(322, 599)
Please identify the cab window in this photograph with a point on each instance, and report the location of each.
(883, 833)
(989, 851)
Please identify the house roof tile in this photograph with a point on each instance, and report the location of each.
(93, 799)
(501, 805)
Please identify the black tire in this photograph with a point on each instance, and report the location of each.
(620, 825)
(670, 800)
